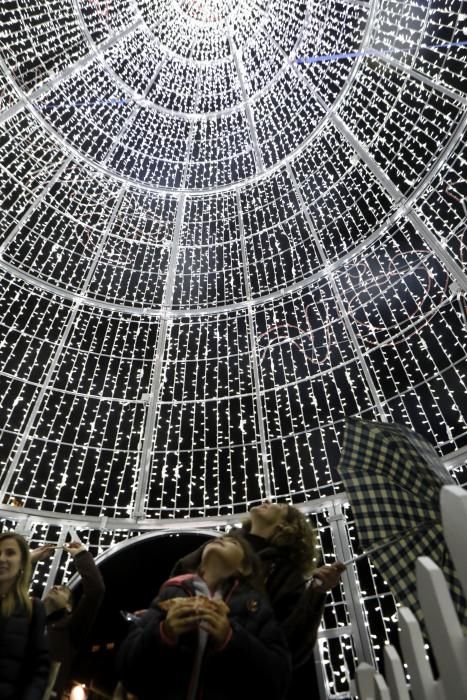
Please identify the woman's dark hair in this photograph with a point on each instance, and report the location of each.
(297, 538)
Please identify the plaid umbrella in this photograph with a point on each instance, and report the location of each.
(393, 477)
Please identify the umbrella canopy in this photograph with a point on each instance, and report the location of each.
(393, 478)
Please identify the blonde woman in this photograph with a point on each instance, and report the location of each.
(24, 656)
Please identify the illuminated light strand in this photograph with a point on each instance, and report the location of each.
(374, 52)
(83, 455)
(114, 101)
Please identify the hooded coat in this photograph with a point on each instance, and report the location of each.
(253, 663)
(24, 654)
(297, 607)
(68, 631)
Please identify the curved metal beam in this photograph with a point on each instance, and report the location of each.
(62, 75)
(254, 358)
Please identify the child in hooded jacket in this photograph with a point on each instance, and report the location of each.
(217, 638)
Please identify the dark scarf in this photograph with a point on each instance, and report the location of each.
(56, 615)
(281, 576)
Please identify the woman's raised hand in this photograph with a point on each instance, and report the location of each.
(328, 576)
(216, 623)
(41, 553)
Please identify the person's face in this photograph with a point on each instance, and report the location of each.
(59, 597)
(228, 550)
(10, 562)
(271, 514)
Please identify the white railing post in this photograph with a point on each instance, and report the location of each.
(395, 675)
(444, 629)
(381, 689)
(454, 518)
(365, 684)
(422, 684)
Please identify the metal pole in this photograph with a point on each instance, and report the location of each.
(156, 378)
(340, 303)
(416, 75)
(248, 110)
(421, 228)
(254, 357)
(360, 632)
(153, 402)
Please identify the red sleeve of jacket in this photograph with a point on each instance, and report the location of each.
(84, 614)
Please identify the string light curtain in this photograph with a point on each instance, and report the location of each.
(226, 227)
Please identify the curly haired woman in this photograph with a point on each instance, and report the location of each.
(286, 544)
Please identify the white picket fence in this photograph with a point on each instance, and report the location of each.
(448, 642)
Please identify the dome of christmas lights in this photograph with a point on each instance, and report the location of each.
(226, 227)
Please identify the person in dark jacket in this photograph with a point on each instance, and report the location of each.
(215, 639)
(286, 544)
(68, 627)
(24, 655)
